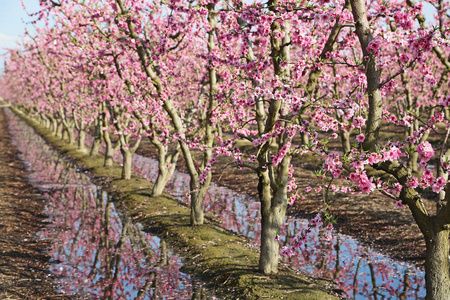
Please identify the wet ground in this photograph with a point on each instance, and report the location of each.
(373, 219)
(23, 272)
(97, 251)
(23, 265)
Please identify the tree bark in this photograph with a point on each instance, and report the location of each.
(60, 130)
(273, 211)
(436, 265)
(345, 140)
(70, 134)
(165, 171)
(127, 160)
(362, 29)
(81, 140)
(109, 151)
(98, 138)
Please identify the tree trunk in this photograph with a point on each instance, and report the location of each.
(273, 210)
(54, 126)
(165, 171)
(70, 135)
(412, 162)
(161, 180)
(436, 266)
(60, 130)
(127, 159)
(65, 134)
(81, 140)
(98, 138)
(95, 147)
(197, 214)
(164, 174)
(345, 139)
(109, 151)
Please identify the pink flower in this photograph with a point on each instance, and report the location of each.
(440, 181)
(436, 188)
(425, 151)
(354, 177)
(399, 204)
(374, 47)
(360, 138)
(413, 182)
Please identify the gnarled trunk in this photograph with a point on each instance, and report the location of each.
(60, 130)
(109, 151)
(81, 140)
(53, 125)
(70, 135)
(95, 149)
(273, 211)
(166, 165)
(127, 160)
(161, 180)
(345, 140)
(197, 213)
(436, 266)
(98, 138)
(165, 172)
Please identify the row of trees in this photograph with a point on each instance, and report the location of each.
(284, 75)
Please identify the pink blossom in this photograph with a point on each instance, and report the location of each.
(436, 188)
(374, 47)
(413, 182)
(440, 181)
(399, 204)
(360, 138)
(425, 151)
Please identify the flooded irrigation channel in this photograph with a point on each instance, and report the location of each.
(96, 252)
(356, 270)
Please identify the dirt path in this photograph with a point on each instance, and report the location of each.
(23, 264)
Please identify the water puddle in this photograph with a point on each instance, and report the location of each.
(102, 255)
(357, 271)
(97, 253)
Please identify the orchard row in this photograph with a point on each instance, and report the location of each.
(285, 76)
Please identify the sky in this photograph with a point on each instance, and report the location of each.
(12, 22)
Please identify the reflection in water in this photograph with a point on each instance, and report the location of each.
(97, 253)
(357, 272)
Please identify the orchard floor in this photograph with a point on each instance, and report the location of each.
(23, 262)
(373, 219)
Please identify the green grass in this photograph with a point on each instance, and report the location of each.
(226, 262)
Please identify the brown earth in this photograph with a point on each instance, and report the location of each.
(23, 262)
(373, 219)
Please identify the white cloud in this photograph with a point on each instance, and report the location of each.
(8, 41)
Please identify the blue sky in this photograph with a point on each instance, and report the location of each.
(12, 22)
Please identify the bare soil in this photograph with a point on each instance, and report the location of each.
(373, 219)
(23, 262)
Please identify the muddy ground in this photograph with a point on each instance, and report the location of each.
(23, 262)
(373, 219)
